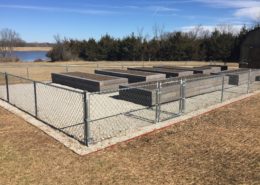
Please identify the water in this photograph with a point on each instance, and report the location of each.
(30, 56)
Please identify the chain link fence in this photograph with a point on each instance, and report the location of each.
(115, 113)
(94, 117)
(60, 108)
(3, 94)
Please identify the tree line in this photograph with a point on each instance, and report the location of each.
(8, 40)
(222, 44)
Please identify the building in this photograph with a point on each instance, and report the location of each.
(250, 50)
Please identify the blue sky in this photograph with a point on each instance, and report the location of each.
(81, 19)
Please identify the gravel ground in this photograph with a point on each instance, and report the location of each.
(110, 116)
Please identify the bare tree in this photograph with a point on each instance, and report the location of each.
(158, 31)
(198, 32)
(8, 40)
(226, 28)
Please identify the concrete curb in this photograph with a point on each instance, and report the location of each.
(80, 149)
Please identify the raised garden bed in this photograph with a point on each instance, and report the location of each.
(196, 70)
(145, 93)
(132, 76)
(240, 76)
(168, 72)
(88, 82)
(222, 67)
(214, 68)
(255, 75)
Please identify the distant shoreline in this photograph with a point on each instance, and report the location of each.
(32, 48)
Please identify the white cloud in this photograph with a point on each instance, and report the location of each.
(222, 27)
(252, 13)
(56, 9)
(242, 8)
(231, 3)
(190, 28)
(162, 9)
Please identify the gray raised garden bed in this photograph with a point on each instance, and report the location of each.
(88, 82)
(132, 76)
(240, 76)
(215, 68)
(222, 67)
(145, 93)
(255, 75)
(196, 70)
(168, 72)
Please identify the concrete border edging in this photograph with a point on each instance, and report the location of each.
(80, 149)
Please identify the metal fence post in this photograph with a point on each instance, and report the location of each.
(7, 87)
(27, 72)
(222, 88)
(86, 101)
(156, 102)
(35, 99)
(183, 96)
(248, 82)
(159, 102)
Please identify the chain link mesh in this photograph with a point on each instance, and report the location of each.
(21, 93)
(203, 92)
(3, 94)
(62, 109)
(169, 100)
(238, 84)
(119, 112)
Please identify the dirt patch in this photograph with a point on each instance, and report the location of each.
(221, 147)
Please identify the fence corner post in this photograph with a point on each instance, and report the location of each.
(86, 103)
(7, 87)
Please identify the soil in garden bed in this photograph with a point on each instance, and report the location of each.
(141, 73)
(90, 76)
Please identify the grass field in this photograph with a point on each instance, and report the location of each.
(221, 147)
(42, 71)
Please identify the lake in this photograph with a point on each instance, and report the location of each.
(30, 56)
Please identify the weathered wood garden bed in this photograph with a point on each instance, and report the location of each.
(88, 82)
(240, 76)
(168, 72)
(196, 70)
(145, 93)
(132, 76)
